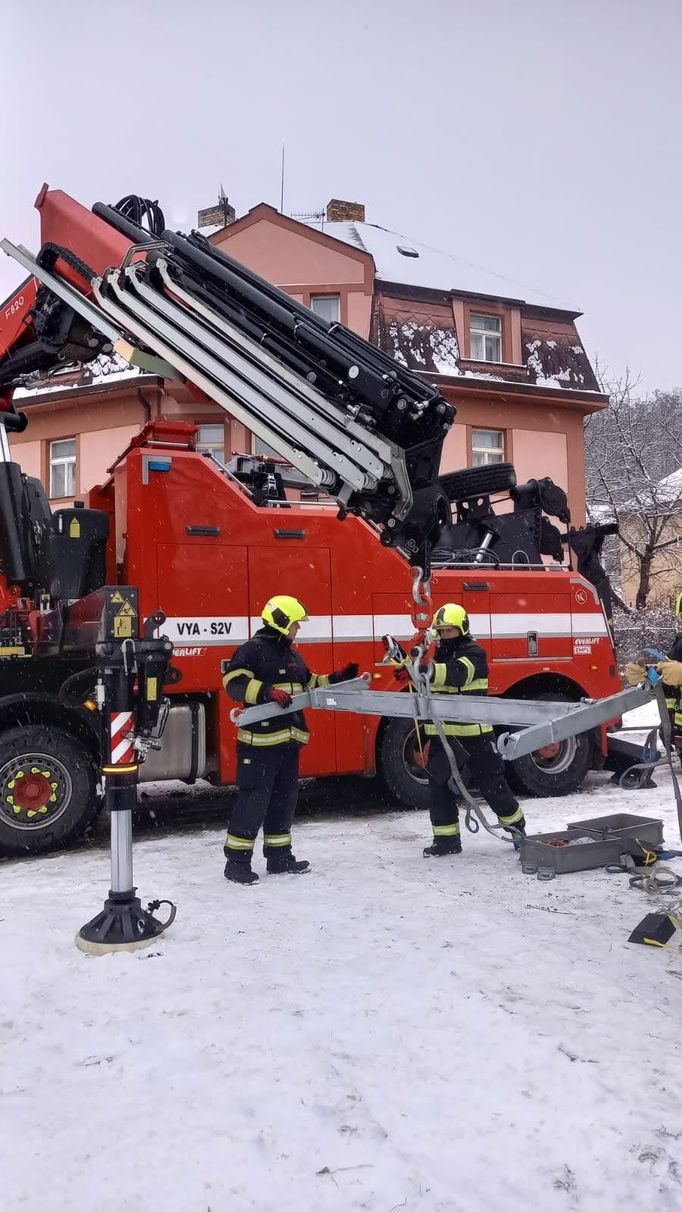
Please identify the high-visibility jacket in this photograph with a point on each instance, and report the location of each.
(673, 694)
(265, 661)
(460, 667)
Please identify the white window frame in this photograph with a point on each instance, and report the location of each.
(483, 456)
(313, 300)
(485, 335)
(68, 462)
(204, 445)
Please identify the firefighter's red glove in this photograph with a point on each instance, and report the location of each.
(421, 756)
(280, 697)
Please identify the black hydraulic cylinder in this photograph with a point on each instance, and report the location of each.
(138, 235)
(17, 559)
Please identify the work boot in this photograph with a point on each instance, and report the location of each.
(443, 846)
(279, 864)
(239, 871)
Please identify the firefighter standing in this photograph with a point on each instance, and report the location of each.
(673, 691)
(268, 669)
(461, 667)
(635, 672)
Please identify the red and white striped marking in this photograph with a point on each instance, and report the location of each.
(122, 749)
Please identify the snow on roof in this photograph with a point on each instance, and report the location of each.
(670, 487)
(400, 259)
(104, 369)
(665, 493)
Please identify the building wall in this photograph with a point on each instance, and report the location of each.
(299, 261)
(540, 440)
(666, 567)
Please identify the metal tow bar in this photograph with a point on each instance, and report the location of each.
(355, 696)
(584, 716)
(540, 724)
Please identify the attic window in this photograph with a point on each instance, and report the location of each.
(406, 251)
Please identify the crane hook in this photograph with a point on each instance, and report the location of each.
(419, 583)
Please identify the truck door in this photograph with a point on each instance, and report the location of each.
(527, 626)
(305, 573)
(202, 586)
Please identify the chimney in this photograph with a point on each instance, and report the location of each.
(339, 211)
(217, 216)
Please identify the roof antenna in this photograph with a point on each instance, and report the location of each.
(281, 196)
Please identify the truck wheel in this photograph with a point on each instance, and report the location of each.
(477, 481)
(403, 779)
(556, 769)
(48, 790)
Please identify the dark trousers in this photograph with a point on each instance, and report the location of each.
(486, 766)
(267, 783)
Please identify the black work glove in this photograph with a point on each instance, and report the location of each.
(344, 675)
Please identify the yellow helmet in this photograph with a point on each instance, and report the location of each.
(451, 615)
(282, 611)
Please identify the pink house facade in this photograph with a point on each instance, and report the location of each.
(514, 366)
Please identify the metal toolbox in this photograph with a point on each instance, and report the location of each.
(581, 853)
(624, 825)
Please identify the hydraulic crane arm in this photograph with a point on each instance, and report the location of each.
(353, 421)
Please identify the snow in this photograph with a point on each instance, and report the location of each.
(382, 1033)
(534, 363)
(104, 369)
(433, 268)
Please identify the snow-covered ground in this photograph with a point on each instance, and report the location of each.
(383, 1033)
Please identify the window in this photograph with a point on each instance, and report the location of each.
(327, 307)
(63, 468)
(261, 448)
(211, 440)
(486, 338)
(487, 446)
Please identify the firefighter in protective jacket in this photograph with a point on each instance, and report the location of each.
(670, 670)
(673, 691)
(460, 667)
(268, 669)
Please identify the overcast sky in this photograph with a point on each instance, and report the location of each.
(538, 138)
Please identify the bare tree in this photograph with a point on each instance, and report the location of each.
(634, 477)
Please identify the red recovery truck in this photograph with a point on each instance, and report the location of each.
(209, 544)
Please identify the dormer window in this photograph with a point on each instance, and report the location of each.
(486, 338)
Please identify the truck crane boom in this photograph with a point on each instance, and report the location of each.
(354, 422)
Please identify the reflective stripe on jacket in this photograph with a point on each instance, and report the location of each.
(264, 662)
(460, 667)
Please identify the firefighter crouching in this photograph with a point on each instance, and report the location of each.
(268, 669)
(460, 666)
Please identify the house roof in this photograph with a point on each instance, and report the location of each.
(432, 268)
(665, 494)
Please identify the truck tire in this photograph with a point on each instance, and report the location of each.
(402, 778)
(555, 770)
(477, 481)
(48, 790)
